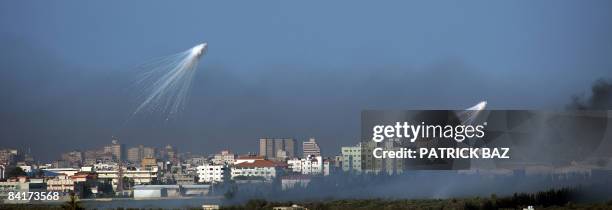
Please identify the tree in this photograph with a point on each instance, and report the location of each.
(15, 172)
(128, 182)
(72, 204)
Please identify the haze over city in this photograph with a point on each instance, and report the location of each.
(284, 69)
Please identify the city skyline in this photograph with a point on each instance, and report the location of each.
(118, 149)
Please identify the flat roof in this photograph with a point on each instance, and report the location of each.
(154, 187)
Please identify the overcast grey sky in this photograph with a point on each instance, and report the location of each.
(284, 68)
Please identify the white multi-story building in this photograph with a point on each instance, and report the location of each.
(311, 165)
(211, 173)
(258, 168)
(295, 165)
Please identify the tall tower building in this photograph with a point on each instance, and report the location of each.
(149, 152)
(135, 154)
(171, 154)
(74, 158)
(266, 147)
(116, 149)
(310, 147)
(290, 148)
(269, 147)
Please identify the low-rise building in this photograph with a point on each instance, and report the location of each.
(138, 176)
(351, 158)
(183, 178)
(311, 165)
(195, 189)
(60, 183)
(265, 169)
(225, 157)
(66, 171)
(156, 191)
(20, 184)
(248, 159)
(84, 184)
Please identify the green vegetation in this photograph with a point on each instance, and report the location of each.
(15, 172)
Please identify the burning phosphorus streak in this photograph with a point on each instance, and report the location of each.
(469, 115)
(478, 107)
(167, 81)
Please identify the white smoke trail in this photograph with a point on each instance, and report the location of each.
(167, 81)
(469, 115)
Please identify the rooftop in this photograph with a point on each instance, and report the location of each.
(257, 163)
(249, 157)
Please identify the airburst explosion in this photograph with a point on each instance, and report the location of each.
(166, 81)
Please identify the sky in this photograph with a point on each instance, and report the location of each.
(284, 68)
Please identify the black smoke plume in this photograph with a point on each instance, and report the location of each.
(600, 98)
